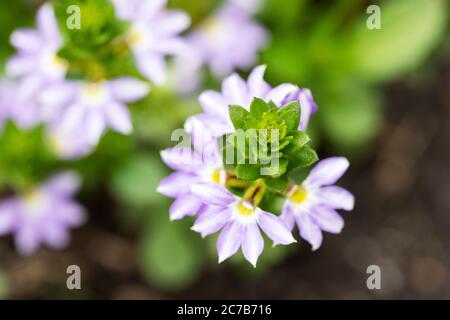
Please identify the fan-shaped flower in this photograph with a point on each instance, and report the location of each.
(154, 34)
(240, 222)
(312, 205)
(44, 215)
(88, 108)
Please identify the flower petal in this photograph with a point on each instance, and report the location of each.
(152, 66)
(128, 89)
(27, 240)
(256, 84)
(26, 40)
(213, 103)
(213, 194)
(279, 93)
(287, 216)
(184, 205)
(230, 240)
(46, 22)
(119, 118)
(172, 22)
(275, 228)
(327, 171)
(327, 219)
(8, 216)
(65, 183)
(309, 230)
(182, 159)
(234, 89)
(176, 183)
(211, 220)
(252, 244)
(336, 198)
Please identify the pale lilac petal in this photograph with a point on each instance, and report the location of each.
(287, 216)
(57, 95)
(27, 239)
(46, 22)
(213, 194)
(172, 22)
(230, 240)
(308, 107)
(327, 171)
(336, 198)
(19, 65)
(327, 219)
(211, 220)
(128, 89)
(182, 158)
(71, 214)
(173, 46)
(119, 117)
(148, 8)
(95, 125)
(8, 216)
(213, 103)
(309, 230)
(256, 84)
(252, 244)
(56, 236)
(152, 66)
(275, 228)
(279, 93)
(234, 89)
(65, 184)
(184, 205)
(176, 183)
(26, 40)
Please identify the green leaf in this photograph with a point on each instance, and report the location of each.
(300, 138)
(277, 184)
(170, 255)
(351, 116)
(248, 172)
(238, 116)
(275, 170)
(290, 113)
(258, 107)
(298, 175)
(135, 182)
(304, 157)
(410, 29)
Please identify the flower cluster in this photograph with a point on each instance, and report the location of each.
(229, 196)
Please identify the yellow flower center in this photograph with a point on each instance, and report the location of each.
(219, 176)
(298, 194)
(134, 37)
(245, 208)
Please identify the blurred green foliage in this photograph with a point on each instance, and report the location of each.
(325, 46)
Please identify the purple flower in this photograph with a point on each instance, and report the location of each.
(44, 215)
(154, 34)
(88, 108)
(228, 40)
(203, 164)
(312, 205)
(236, 91)
(239, 221)
(35, 65)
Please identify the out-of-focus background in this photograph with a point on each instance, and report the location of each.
(384, 102)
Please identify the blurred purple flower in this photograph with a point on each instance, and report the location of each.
(228, 40)
(44, 215)
(239, 221)
(312, 204)
(236, 91)
(35, 65)
(154, 34)
(88, 108)
(203, 164)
